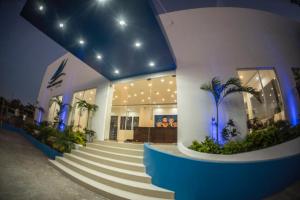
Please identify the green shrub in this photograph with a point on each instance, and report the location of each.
(206, 146)
(274, 134)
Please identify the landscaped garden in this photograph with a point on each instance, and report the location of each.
(260, 136)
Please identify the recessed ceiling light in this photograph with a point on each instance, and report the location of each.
(142, 93)
(172, 95)
(131, 84)
(170, 82)
(163, 99)
(149, 84)
(143, 100)
(137, 44)
(175, 92)
(122, 22)
(169, 90)
(135, 94)
(102, 1)
(151, 64)
(81, 41)
(125, 87)
(162, 80)
(157, 93)
(99, 56)
(116, 96)
(61, 25)
(41, 7)
(148, 98)
(117, 71)
(241, 77)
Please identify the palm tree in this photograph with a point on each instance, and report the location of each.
(221, 90)
(84, 105)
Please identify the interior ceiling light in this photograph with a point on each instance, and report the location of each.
(151, 64)
(157, 93)
(168, 90)
(241, 77)
(135, 94)
(131, 84)
(125, 87)
(99, 56)
(142, 93)
(163, 99)
(162, 80)
(149, 84)
(170, 82)
(143, 100)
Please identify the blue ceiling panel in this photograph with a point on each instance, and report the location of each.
(96, 22)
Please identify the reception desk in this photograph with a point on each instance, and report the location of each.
(156, 135)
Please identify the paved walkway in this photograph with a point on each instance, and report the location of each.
(25, 174)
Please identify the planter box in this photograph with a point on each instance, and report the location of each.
(48, 151)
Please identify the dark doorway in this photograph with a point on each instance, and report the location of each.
(113, 133)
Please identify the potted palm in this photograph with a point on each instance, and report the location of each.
(59, 123)
(221, 90)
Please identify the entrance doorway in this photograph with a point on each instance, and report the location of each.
(113, 128)
(145, 110)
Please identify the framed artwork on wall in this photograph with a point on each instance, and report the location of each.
(165, 121)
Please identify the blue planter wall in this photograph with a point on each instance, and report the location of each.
(193, 179)
(48, 151)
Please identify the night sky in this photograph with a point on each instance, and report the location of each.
(25, 53)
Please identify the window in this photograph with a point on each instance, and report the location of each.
(53, 109)
(271, 109)
(128, 123)
(79, 117)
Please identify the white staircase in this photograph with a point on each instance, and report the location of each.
(114, 170)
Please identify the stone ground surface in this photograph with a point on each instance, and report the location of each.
(26, 174)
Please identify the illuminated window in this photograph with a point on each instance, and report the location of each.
(271, 109)
(79, 117)
(53, 109)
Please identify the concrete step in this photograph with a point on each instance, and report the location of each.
(110, 170)
(106, 190)
(110, 161)
(145, 189)
(121, 144)
(117, 156)
(116, 149)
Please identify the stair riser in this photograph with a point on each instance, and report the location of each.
(112, 156)
(133, 152)
(142, 191)
(110, 172)
(124, 145)
(88, 186)
(111, 163)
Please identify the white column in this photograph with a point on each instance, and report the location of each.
(101, 118)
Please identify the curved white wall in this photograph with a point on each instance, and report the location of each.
(210, 42)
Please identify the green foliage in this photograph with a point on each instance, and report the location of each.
(206, 146)
(230, 130)
(61, 141)
(276, 133)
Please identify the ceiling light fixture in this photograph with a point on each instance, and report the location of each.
(125, 87)
(135, 94)
(168, 90)
(149, 84)
(61, 25)
(142, 93)
(81, 42)
(162, 80)
(41, 7)
(137, 44)
(99, 56)
(131, 84)
(122, 22)
(117, 71)
(170, 82)
(151, 64)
